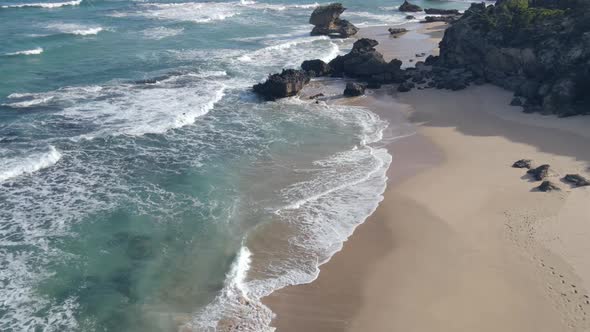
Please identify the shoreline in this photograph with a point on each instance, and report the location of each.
(420, 262)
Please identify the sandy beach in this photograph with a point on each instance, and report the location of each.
(462, 241)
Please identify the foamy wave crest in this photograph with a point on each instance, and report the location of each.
(343, 190)
(190, 11)
(13, 167)
(372, 19)
(35, 51)
(147, 106)
(277, 7)
(161, 33)
(44, 4)
(75, 29)
(293, 52)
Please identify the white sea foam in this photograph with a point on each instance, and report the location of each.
(75, 29)
(372, 19)
(341, 193)
(159, 33)
(197, 12)
(35, 51)
(276, 7)
(131, 109)
(44, 4)
(13, 167)
(293, 52)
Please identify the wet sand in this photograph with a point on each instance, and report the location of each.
(461, 241)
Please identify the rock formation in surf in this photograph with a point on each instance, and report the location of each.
(354, 89)
(286, 84)
(409, 7)
(326, 21)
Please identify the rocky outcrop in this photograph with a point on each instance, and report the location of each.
(436, 11)
(445, 19)
(539, 49)
(576, 180)
(397, 31)
(366, 63)
(406, 86)
(547, 186)
(523, 163)
(354, 89)
(316, 67)
(286, 84)
(326, 21)
(408, 7)
(540, 172)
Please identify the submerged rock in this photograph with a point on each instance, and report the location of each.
(540, 172)
(408, 7)
(577, 180)
(326, 21)
(523, 163)
(286, 84)
(354, 89)
(547, 186)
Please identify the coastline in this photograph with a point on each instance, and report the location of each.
(442, 254)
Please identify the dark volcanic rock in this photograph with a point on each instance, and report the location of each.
(547, 186)
(374, 85)
(410, 17)
(516, 102)
(286, 84)
(354, 89)
(577, 180)
(436, 11)
(316, 67)
(364, 62)
(316, 96)
(405, 87)
(540, 172)
(397, 31)
(408, 7)
(326, 21)
(540, 49)
(523, 163)
(446, 19)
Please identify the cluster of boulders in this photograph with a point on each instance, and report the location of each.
(327, 22)
(541, 173)
(540, 49)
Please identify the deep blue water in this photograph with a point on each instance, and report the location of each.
(137, 170)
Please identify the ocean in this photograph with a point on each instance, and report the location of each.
(143, 187)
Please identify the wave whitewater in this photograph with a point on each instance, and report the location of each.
(324, 211)
(75, 29)
(14, 167)
(35, 51)
(44, 4)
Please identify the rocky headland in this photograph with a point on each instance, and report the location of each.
(539, 49)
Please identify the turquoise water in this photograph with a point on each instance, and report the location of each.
(137, 170)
